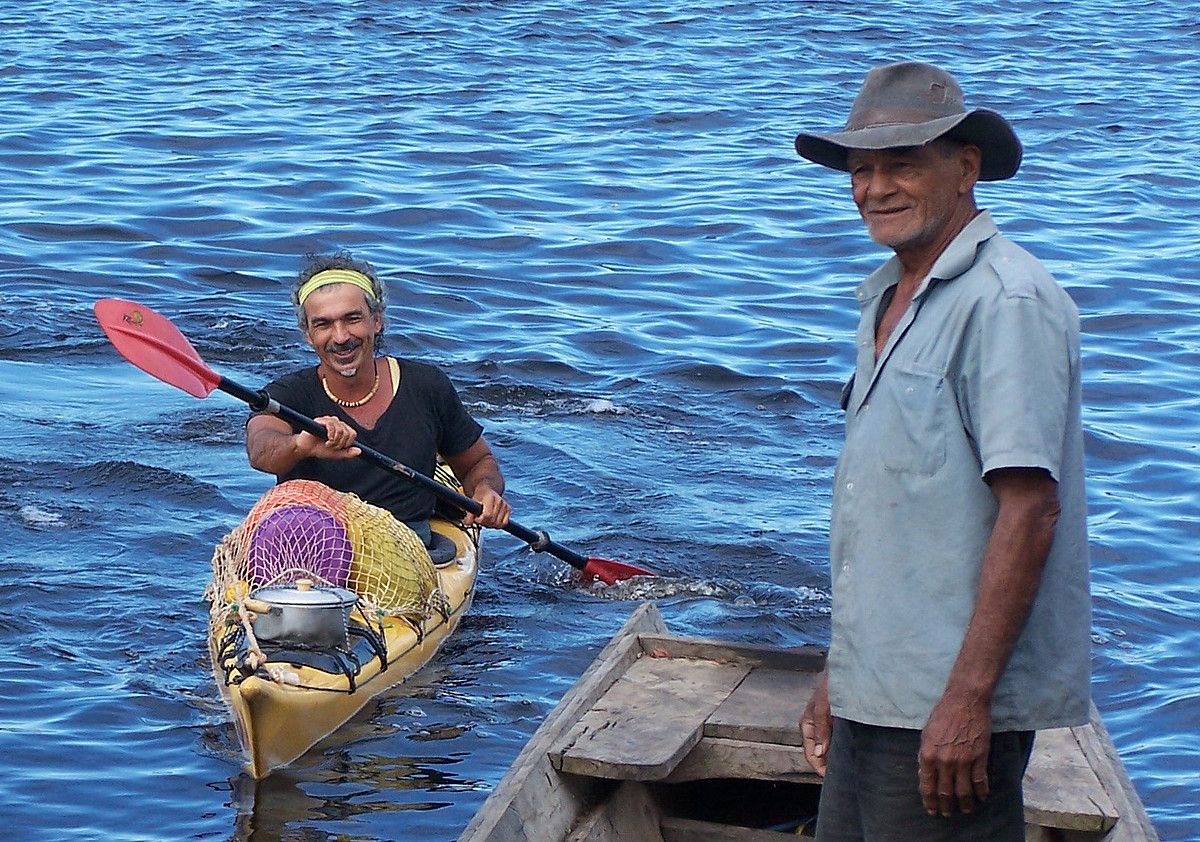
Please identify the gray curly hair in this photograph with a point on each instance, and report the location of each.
(341, 259)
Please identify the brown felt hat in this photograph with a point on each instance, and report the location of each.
(911, 104)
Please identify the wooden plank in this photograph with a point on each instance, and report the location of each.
(1097, 746)
(689, 830)
(532, 802)
(1061, 790)
(716, 757)
(648, 720)
(799, 658)
(629, 815)
(765, 708)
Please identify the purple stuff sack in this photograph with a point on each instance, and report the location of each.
(303, 537)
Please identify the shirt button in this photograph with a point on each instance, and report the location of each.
(849, 486)
(866, 406)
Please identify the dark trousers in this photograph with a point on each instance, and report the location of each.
(870, 792)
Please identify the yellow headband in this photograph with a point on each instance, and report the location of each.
(336, 276)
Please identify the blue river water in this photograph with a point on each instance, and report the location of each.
(592, 217)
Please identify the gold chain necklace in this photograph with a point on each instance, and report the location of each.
(352, 404)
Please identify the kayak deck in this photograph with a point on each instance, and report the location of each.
(671, 739)
(279, 718)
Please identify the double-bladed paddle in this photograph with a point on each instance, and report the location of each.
(153, 344)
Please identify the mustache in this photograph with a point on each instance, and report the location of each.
(342, 347)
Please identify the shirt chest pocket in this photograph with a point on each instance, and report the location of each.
(915, 437)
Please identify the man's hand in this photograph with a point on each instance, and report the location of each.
(953, 760)
(482, 481)
(816, 724)
(495, 508)
(337, 444)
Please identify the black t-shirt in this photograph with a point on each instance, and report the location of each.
(426, 417)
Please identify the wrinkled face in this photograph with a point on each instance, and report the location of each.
(341, 328)
(910, 197)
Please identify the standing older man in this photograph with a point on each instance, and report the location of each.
(406, 409)
(958, 545)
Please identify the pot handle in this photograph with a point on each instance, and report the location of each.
(256, 605)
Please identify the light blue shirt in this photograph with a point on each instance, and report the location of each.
(982, 372)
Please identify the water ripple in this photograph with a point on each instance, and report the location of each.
(593, 220)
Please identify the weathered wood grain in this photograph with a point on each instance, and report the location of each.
(629, 816)
(532, 802)
(1095, 743)
(687, 830)
(801, 658)
(648, 720)
(717, 757)
(1061, 789)
(765, 708)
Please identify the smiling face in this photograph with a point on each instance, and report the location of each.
(341, 328)
(915, 199)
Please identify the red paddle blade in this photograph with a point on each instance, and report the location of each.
(156, 346)
(610, 572)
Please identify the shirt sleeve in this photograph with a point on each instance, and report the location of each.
(291, 391)
(458, 430)
(1018, 382)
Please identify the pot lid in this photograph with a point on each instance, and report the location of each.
(304, 593)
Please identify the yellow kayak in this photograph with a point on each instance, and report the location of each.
(286, 692)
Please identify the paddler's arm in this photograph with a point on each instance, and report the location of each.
(274, 448)
(479, 473)
(956, 740)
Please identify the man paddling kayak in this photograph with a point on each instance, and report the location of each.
(407, 409)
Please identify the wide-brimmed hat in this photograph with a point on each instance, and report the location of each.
(910, 104)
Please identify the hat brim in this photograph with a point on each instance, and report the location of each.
(1000, 149)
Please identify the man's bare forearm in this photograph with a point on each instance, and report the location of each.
(274, 448)
(272, 451)
(482, 481)
(484, 472)
(1008, 583)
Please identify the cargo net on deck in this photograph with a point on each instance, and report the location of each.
(303, 529)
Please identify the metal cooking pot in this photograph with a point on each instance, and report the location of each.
(302, 613)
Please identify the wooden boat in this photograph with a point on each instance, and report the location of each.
(675, 739)
(285, 706)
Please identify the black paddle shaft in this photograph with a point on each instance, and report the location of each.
(538, 540)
